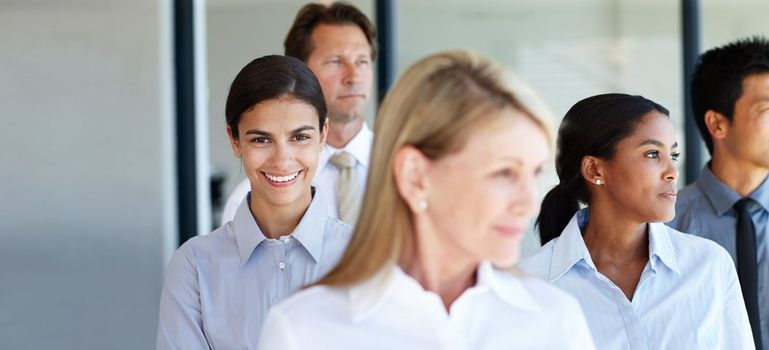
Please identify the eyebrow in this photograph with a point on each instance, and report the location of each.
(267, 133)
(656, 143)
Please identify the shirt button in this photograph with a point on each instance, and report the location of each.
(282, 265)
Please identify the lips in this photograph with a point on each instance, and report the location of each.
(669, 194)
(352, 96)
(280, 180)
(510, 231)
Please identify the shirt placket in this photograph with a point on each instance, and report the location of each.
(280, 259)
(634, 330)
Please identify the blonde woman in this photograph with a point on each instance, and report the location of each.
(451, 190)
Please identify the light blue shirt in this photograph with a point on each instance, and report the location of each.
(688, 296)
(704, 208)
(219, 287)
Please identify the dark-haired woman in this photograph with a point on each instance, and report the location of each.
(219, 287)
(641, 284)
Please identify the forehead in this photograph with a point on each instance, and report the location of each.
(756, 86)
(513, 136)
(335, 37)
(652, 126)
(283, 112)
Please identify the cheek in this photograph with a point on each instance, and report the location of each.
(253, 158)
(308, 156)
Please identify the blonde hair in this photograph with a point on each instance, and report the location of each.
(433, 106)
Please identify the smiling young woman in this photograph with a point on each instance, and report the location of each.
(641, 284)
(219, 287)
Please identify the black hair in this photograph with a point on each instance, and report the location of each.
(269, 78)
(718, 76)
(592, 127)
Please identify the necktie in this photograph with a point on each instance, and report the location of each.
(347, 188)
(747, 267)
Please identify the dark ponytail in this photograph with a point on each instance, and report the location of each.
(592, 127)
(557, 209)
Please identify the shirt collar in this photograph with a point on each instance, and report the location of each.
(507, 288)
(761, 194)
(661, 247)
(309, 233)
(720, 196)
(570, 247)
(359, 147)
(367, 297)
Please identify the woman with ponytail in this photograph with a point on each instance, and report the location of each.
(641, 284)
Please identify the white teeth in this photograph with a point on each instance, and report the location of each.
(282, 178)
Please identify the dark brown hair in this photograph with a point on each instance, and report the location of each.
(299, 39)
(270, 78)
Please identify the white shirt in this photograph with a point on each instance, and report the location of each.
(688, 296)
(392, 311)
(325, 179)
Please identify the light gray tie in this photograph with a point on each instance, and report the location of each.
(347, 188)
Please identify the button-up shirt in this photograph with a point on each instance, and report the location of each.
(325, 179)
(705, 208)
(219, 287)
(392, 311)
(688, 296)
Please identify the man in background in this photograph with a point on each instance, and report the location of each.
(729, 202)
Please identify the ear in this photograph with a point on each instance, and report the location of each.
(592, 168)
(234, 142)
(717, 123)
(410, 169)
(324, 135)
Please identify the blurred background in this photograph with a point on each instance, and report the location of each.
(113, 148)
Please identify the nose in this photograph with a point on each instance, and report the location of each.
(526, 203)
(352, 73)
(671, 171)
(281, 156)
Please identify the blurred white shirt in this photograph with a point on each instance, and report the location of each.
(392, 311)
(326, 177)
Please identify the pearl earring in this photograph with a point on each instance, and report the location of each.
(422, 205)
(598, 182)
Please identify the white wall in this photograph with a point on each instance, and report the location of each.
(86, 196)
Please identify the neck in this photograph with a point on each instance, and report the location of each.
(439, 271)
(610, 238)
(340, 134)
(742, 177)
(276, 221)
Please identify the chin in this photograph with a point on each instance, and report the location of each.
(663, 216)
(507, 258)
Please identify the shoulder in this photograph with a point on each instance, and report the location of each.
(336, 228)
(697, 249)
(538, 264)
(206, 247)
(548, 296)
(690, 197)
(337, 233)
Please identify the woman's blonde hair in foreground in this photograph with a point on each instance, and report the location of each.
(433, 107)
